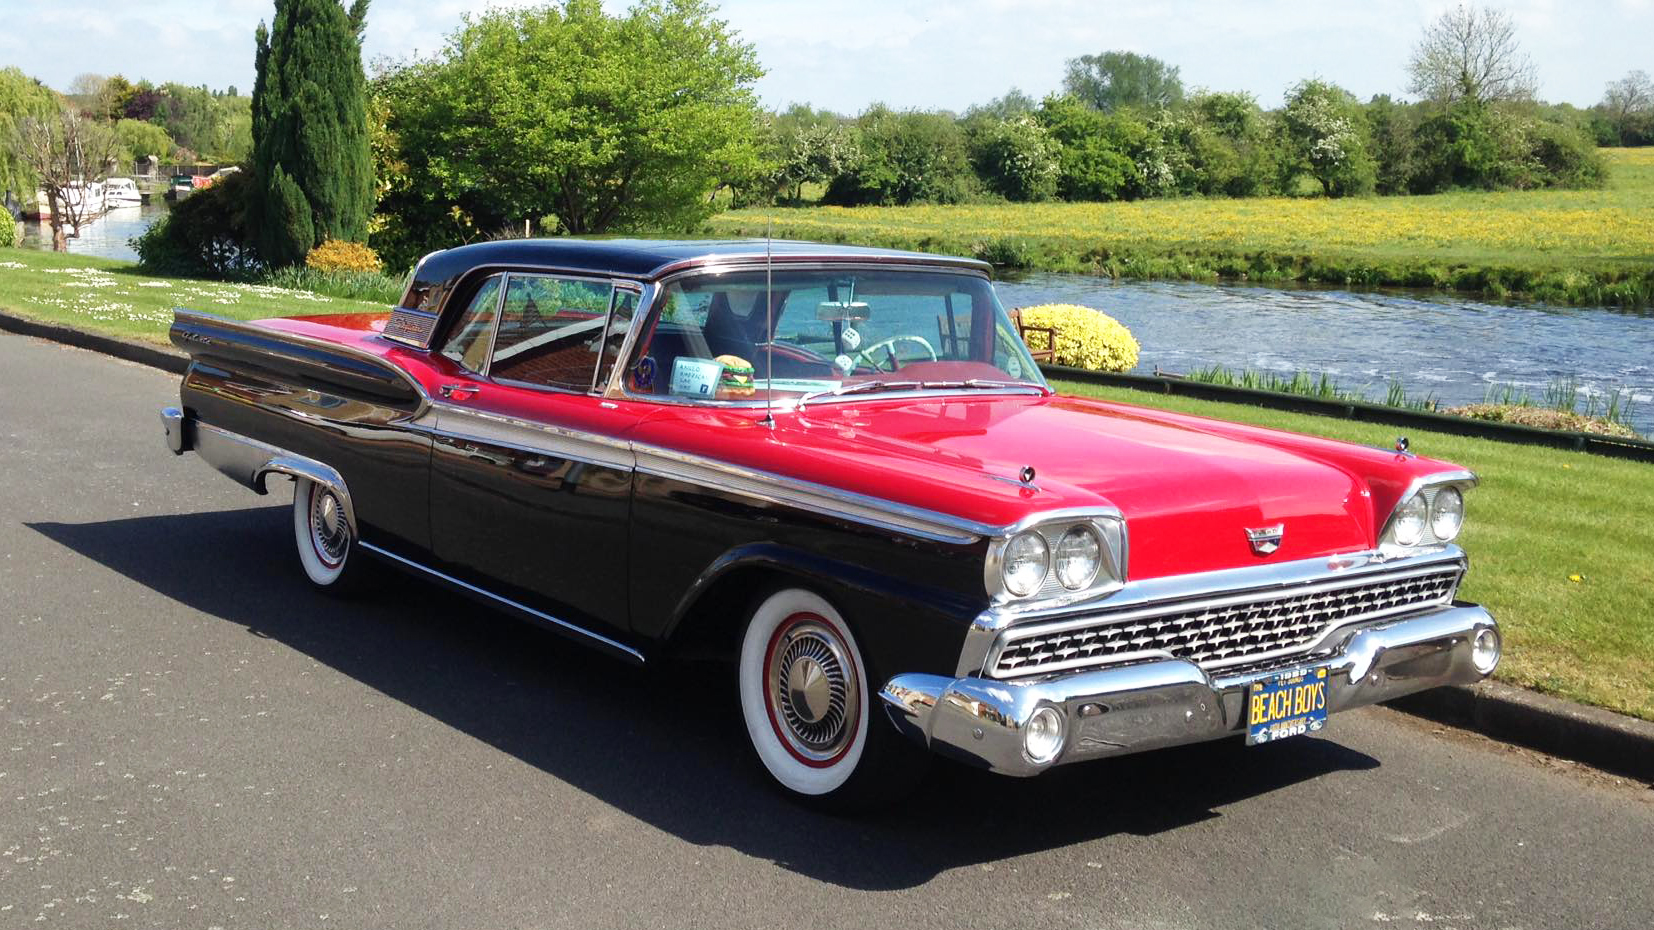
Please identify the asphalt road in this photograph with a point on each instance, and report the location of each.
(191, 738)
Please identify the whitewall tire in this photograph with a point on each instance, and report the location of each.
(323, 537)
(804, 693)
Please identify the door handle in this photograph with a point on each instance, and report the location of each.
(449, 390)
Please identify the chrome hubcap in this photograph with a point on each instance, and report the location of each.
(813, 689)
(327, 527)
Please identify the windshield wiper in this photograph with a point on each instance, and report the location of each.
(861, 387)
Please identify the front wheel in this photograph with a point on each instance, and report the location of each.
(323, 536)
(805, 701)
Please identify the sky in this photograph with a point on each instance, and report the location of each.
(945, 54)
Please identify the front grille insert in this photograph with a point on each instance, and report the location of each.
(1222, 629)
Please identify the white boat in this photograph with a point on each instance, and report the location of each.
(122, 192)
(83, 199)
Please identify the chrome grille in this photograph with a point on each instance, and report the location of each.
(1221, 630)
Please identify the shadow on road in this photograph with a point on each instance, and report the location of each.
(663, 744)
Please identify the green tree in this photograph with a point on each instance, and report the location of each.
(312, 166)
(1470, 54)
(1393, 127)
(1096, 152)
(912, 156)
(1323, 134)
(21, 98)
(1016, 158)
(135, 139)
(580, 120)
(1114, 80)
(813, 147)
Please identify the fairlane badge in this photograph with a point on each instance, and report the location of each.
(1266, 539)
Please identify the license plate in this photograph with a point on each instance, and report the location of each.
(1286, 705)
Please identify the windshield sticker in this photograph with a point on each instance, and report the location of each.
(643, 374)
(696, 377)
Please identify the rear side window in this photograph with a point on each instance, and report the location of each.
(468, 343)
(551, 331)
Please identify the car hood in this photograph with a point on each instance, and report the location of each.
(1189, 487)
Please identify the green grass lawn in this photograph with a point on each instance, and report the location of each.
(1540, 518)
(111, 297)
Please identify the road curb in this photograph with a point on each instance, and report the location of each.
(153, 356)
(1599, 738)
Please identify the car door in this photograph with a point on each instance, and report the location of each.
(531, 471)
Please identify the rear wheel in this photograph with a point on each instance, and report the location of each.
(323, 537)
(806, 705)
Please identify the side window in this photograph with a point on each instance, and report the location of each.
(468, 342)
(620, 323)
(551, 331)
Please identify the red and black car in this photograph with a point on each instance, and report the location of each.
(840, 467)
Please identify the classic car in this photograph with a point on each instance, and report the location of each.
(839, 469)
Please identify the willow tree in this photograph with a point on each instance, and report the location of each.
(312, 168)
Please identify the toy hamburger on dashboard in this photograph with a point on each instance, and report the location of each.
(736, 380)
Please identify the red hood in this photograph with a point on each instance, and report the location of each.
(1189, 487)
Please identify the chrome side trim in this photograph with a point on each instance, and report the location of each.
(524, 436)
(793, 492)
(1256, 581)
(560, 624)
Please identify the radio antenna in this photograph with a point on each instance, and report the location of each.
(769, 330)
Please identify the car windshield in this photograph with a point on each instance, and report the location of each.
(828, 333)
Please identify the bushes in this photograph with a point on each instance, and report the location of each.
(339, 255)
(907, 157)
(8, 229)
(204, 236)
(1086, 338)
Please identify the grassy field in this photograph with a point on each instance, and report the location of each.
(111, 297)
(1559, 540)
(1590, 247)
(1559, 545)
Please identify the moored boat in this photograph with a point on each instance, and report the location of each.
(122, 192)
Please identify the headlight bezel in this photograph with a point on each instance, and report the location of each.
(1426, 489)
(1108, 526)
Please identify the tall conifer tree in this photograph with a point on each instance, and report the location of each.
(313, 171)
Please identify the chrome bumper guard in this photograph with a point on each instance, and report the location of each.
(1169, 702)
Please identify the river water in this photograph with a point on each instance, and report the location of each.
(1451, 348)
(107, 236)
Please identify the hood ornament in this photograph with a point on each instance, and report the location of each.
(1266, 539)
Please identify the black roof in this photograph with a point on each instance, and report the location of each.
(648, 258)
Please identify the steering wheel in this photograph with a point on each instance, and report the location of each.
(867, 353)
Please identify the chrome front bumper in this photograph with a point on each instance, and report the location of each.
(1168, 702)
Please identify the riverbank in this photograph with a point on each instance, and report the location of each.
(1576, 247)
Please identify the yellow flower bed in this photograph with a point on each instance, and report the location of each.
(1086, 337)
(339, 255)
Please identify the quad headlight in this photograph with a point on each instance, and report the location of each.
(1432, 513)
(1026, 563)
(1057, 558)
(1447, 514)
(1079, 555)
(1411, 517)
